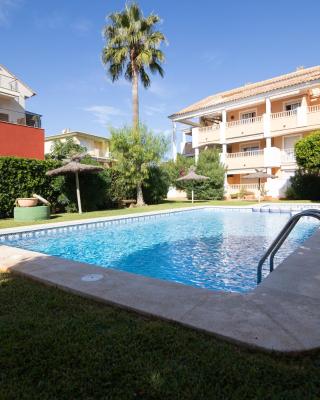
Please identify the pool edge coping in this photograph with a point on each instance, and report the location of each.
(31, 268)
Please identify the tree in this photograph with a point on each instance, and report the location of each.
(136, 151)
(307, 151)
(61, 150)
(132, 46)
(209, 165)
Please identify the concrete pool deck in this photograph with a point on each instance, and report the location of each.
(281, 314)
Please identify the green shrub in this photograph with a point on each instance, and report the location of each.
(156, 186)
(178, 168)
(304, 186)
(307, 152)
(209, 165)
(22, 177)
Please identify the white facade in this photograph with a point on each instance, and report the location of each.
(13, 95)
(256, 131)
(97, 147)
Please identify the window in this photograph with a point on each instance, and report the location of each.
(290, 141)
(248, 115)
(4, 117)
(250, 147)
(292, 106)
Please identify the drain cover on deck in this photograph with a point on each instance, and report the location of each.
(92, 277)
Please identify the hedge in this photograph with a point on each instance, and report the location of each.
(20, 177)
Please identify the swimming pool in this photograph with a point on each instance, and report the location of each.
(203, 248)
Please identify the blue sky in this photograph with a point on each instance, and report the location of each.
(55, 47)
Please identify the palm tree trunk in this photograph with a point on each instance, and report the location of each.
(135, 98)
(140, 200)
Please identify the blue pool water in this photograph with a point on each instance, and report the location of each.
(203, 248)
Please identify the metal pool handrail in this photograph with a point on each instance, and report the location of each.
(282, 236)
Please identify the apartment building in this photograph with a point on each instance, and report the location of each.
(255, 127)
(20, 130)
(98, 147)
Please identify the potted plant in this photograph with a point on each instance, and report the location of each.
(27, 201)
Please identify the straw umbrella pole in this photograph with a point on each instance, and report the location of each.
(193, 177)
(75, 167)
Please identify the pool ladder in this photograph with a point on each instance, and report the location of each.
(279, 240)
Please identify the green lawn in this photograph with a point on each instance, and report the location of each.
(10, 223)
(54, 345)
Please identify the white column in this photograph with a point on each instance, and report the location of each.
(224, 145)
(223, 158)
(183, 142)
(302, 112)
(174, 139)
(196, 155)
(267, 119)
(223, 127)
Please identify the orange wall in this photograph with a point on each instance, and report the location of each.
(21, 141)
(259, 108)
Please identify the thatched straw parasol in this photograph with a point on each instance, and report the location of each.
(259, 175)
(193, 177)
(75, 167)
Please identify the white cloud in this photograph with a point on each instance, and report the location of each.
(104, 114)
(120, 81)
(157, 89)
(82, 26)
(154, 110)
(6, 7)
(215, 59)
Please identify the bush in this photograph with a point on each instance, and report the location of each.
(177, 169)
(156, 186)
(307, 152)
(209, 165)
(304, 186)
(22, 177)
(95, 189)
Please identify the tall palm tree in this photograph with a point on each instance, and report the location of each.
(132, 46)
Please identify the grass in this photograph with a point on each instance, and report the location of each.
(55, 345)
(10, 223)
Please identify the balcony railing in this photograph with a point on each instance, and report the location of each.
(280, 121)
(288, 156)
(236, 188)
(244, 127)
(268, 157)
(209, 134)
(8, 83)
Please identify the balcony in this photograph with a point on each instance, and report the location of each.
(209, 134)
(284, 120)
(266, 158)
(8, 86)
(288, 156)
(278, 124)
(247, 187)
(244, 127)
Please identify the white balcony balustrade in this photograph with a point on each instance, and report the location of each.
(244, 127)
(288, 156)
(314, 115)
(238, 188)
(209, 134)
(268, 157)
(276, 124)
(8, 84)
